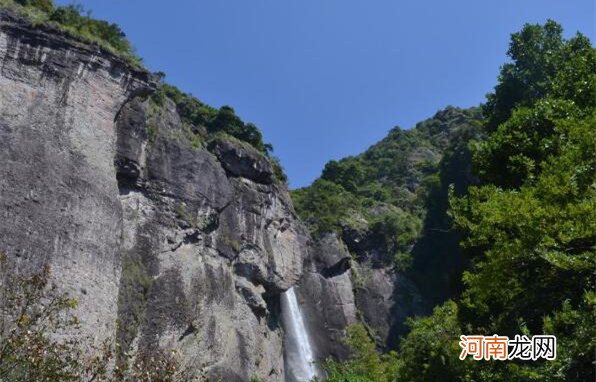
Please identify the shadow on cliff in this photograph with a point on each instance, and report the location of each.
(438, 259)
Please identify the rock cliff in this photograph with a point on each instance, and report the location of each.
(58, 188)
(164, 242)
(383, 248)
(173, 238)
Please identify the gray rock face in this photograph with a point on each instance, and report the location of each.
(342, 287)
(327, 298)
(242, 161)
(385, 299)
(58, 191)
(207, 252)
(186, 248)
(164, 242)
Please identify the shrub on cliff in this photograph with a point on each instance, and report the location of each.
(365, 363)
(74, 20)
(33, 313)
(40, 338)
(204, 122)
(42, 5)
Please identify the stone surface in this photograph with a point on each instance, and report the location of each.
(58, 192)
(385, 299)
(214, 251)
(343, 286)
(186, 248)
(327, 300)
(243, 161)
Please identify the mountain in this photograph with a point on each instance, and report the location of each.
(525, 220)
(382, 245)
(147, 236)
(164, 218)
(172, 227)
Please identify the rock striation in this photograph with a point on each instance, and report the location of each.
(169, 240)
(209, 243)
(340, 288)
(58, 192)
(165, 243)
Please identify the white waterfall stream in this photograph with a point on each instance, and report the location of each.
(299, 363)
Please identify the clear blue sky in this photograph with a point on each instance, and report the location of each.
(324, 79)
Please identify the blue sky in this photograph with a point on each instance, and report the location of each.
(324, 79)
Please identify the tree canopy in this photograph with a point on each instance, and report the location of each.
(73, 19)
(528, 226)
(384, 193)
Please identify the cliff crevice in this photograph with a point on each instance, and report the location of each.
(166, 242)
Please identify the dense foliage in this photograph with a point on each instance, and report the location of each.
(383, 194)
(74, 20)
(529, 226)
(365, 363)
(205, 119)
(40, 339)
(203, 122)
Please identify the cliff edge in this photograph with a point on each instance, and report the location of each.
(164, 242)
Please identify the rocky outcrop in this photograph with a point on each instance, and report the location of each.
(243, 160)
(165, 243)
(168, 239)
(405, 254)
(342, 286)
(327, 298)
(214, 248)
(384, 299)
(59, 199)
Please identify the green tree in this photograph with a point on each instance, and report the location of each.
(542, 64)
(348, 174)
(430, 352)
(365, 363)
(323, 205)
(395, 234)
(43, 5)
(40, 339)
(529, 226)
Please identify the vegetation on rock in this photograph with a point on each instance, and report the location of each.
(528, 226)
(384, 193)
(516, 178)
(77, 22)
(201, 119)
(204, 123)
(40, 339)
(365, 363)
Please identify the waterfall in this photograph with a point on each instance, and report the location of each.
(300, 365)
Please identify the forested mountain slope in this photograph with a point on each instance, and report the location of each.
(384, 201)
(527, 225)
(147, 236)
(386, 210)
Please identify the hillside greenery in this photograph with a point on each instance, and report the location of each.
(75, 21)
(528, 226)
(203, 123)
(384, 193)
(516, 178)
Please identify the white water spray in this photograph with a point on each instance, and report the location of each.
(300, 365)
